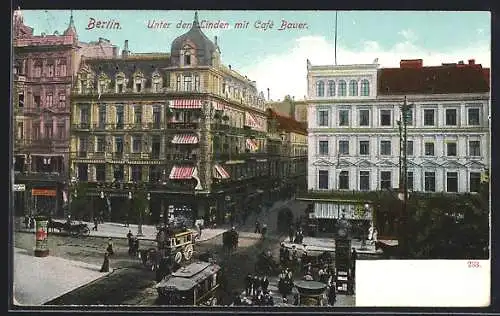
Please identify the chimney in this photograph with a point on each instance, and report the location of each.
(125, 50)
(461, 62)
(268, 94)
(229, 67)
(411, 63)
(472, 61)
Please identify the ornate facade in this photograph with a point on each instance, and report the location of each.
(44, 66)
(180, 125)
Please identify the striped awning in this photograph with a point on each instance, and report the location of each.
(185, 139)
(181, 172)
(251, 145)
(251, 121)
(185, 104)
(220, 172)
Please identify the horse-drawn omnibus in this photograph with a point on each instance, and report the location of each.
(195, 284)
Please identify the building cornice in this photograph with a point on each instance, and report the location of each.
(369, 131)
(400, 98)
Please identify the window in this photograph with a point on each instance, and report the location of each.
(429, 149)
(178, 83)
(473, 116)
(100, 172)
(342, 88)
(385, 147)
(429, 117)
(102, 116)
(364, 147)
(430, 181)
(36, 130)
(119, 144)
(353, 88)
(475, 148)
(155, 147)
(343, 117)
(48, 129)
(474, 181)
(62, 100)
(61, 68)
(320, 89)
(451, 149)
(364, 117)
(323, 147)
(20, 130)
(61, 130)
(49, 99)
(409, 180)
(451, 117)
(37, 69)
(118, 172)
(137, 115)
(343, 147)
(322, 118)
(82, 148)
(83, 172)
(323, 179)
(84, 115)
(188, 84)
(100, 144)
(136, 173)
(451, 182)
(50, 69)
(385, 117)
(36, 101)
(364, 180)
(365, 88)
(119, 117)
(119, 87)
(409, 117)
(20, 100)
(137, 144)
(156, 117)
(156, 84)
(344, 180)
(187, 58)
(331, 88)
(138, 86)
(154, 174)
(385, 180)
(197, 83)
(409, 148)
(102, 87)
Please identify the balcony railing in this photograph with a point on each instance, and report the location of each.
(98, 155)
(118, 155)
(82, 154)
(141, 155)
(155, 155)
(182, 157)
(183, 125)
(99, 126)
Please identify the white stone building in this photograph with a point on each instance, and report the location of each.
(353, 135)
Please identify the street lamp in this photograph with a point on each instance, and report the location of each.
(139, 227)
(363, 232)
(130, 207)
(405, 111)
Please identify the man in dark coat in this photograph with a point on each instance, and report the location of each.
(291, 233)
(248, 284)
(265, 284)
(282, 253)
(257, 227)
(105, 264)
(354, 257)
(332, 295)
(256, 285)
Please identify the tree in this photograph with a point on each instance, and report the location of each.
(139, 205)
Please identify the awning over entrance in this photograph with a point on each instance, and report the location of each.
(251, 145)
(182, 172)
(185, 139)
(336, 210)
(220, 172)
(185, 104)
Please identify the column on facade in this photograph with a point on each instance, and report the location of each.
(126, 172)
(54, 127)
(41, 129)
(109, 173)
(463, 115)
(145, 173)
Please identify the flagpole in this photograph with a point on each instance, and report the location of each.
(336, 13)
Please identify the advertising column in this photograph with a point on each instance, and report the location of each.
(41, 246)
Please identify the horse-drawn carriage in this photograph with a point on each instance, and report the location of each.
(174, 246)
(79, 229)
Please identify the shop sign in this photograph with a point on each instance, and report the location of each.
(43, 192)
(19, 187)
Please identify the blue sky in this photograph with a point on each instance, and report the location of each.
(275, 58)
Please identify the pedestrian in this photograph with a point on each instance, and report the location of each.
(135, 247)
(265, 284)
(257, 227)
(105, 264)
(200, 228)
(26, 221)
(354, 257)
(291, 233)
(264, 230)
(256, 285)
(96, 222)
(248, 285)
(332, 295)
(109, 249)
(282, 253)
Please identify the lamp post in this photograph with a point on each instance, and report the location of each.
(139, 227)
(130, 207)
(405, 110)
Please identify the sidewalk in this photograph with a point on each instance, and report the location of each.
(40, 280)
(119, 230)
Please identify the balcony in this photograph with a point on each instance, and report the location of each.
(155, 155)
(82, 154)
(183, 125)
(99, 155)
(118, 155)
(81, 126)
(136, 156)
(99, 126)
(182, 158)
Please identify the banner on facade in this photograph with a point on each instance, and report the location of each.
(334, 210)
(43, 192)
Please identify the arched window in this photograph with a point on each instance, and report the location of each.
(320, 88)
(365, 88)
(187, 58)
(331, 88)
(342, 88)
(353, 88)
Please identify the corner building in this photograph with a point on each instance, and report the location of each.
(181, 125)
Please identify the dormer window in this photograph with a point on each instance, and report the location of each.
(138, 87)
(156, 83)
(187, 58)
(119, 83)
(119, 87)
(102, 86)
(138, 83)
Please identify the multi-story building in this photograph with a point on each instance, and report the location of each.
(44, 65)
(354, 138)
(296, 109)
(287, 148)
(181, 125)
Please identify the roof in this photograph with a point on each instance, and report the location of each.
(288, 124)
(445, 79)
